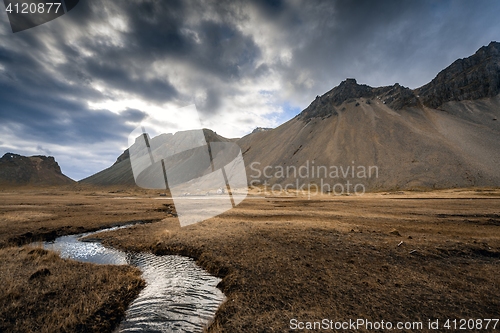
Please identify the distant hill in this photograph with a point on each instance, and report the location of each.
(17, 170)
(120, 173)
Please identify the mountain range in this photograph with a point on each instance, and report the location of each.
(444, 134)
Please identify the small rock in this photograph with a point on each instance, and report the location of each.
(394, 232)
(40, 273)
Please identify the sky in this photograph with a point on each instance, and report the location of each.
(77, 86)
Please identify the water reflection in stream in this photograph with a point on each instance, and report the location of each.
(179, 295)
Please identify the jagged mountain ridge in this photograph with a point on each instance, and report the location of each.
(17, 170)
(395, 96)
(471, 78)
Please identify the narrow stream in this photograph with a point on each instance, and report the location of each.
(179, 295)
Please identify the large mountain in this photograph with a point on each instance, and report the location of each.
(444, 134)
(17, 170)
(441, 135)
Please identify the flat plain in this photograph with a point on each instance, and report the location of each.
(392, 256)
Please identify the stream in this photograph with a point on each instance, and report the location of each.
(179, 295)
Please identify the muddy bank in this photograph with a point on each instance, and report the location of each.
(44, 235)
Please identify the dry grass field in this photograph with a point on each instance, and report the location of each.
(43, 293)
(31, 214)
(402, 256)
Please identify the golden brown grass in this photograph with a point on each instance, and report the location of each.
(338, 258)
(43, 293)
(283, 258)
(31, 214)
(74, 297)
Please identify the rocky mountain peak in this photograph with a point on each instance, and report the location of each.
(475, 77)
(493, 48)
(346, 90)
(38, 161)
(395, 96)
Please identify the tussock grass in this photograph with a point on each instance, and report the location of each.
(339, 259)
(43, 293)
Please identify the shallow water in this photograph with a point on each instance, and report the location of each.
(179, 295)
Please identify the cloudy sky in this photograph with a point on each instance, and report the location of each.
(75, 87)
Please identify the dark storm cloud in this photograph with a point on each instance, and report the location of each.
(381, 42)
(224, 51)
(155, 27)
(119, 77)
(59, 121)
(133, 115)
(158, 30)
(104, 51)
